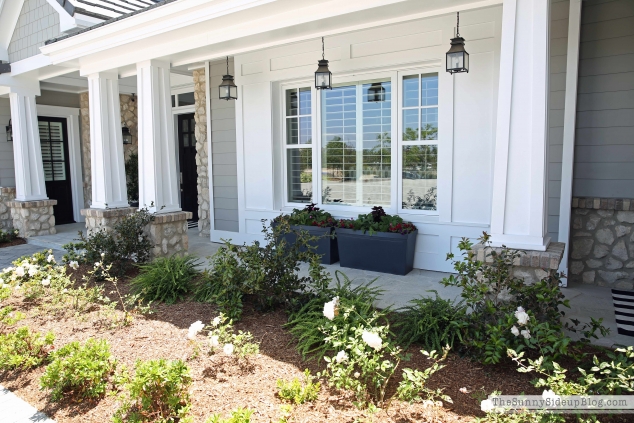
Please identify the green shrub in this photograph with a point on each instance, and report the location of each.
(222, 336)
(506, 312)
(8, 236)
(24, 349)
(82, 371)
(306, 324)
(125, 244)
(132, 177)
(241, 415)
(429, 322)
(270, 272)
(414, 383)
(158, 392)
(298, 392)
(166, 279)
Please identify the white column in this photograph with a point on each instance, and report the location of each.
(518, 218)
(27, 152)
(158, 180)
(106, 142)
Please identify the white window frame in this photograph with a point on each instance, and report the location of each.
(402, 143)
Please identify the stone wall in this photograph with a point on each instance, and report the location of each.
(531, 266)
(204, 221)
(7, 194)
(128, 117)
(168, 234)
(33, 218)
(602, 242)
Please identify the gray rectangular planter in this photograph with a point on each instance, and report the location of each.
(325, 246)
(384, 252)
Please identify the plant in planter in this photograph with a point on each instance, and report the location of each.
(318, 223)
(377, 241)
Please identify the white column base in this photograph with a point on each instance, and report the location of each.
(520, 242)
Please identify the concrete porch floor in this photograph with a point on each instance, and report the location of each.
(585, 300)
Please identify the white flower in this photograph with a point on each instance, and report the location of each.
(550, 396)
(331, 308)
(341, 357)
(64, 291)
(228, 349)
(103, 255)
(17, 287)
(97, 264)
(486, 405)
(213, 341)
(464, 390)
(216, 321)
(19, 271)
(526, 333)
(73, 264)
(515, 331)
(194, 328)
(521, 316)
(357, 374)
(47, 281)
(372, 339)
(50, 258)
(32, 270)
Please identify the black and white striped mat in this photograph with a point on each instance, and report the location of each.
(624, 311)
(192, 225)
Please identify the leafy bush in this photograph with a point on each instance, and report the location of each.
(158, 392)
(429, 322)
(166, 279)
(506, 312)
(223, 337)
(414, 383)
(269, 272)
(306, 324)
(82, 371)
(378, 221)
(308, 216)
(298, 392)
(125, 244)
(24, 349)
(240, 415)
(8, 236)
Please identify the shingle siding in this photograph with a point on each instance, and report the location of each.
(37, 23)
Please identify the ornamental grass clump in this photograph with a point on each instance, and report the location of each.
(507, 313)
(158, 392)
(81, 371)
(23, 349)
(378, 221)
(166, 279)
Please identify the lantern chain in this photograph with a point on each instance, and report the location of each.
(458, 25)
(323, 57)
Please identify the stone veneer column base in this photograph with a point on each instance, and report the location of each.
(532, 266)
(33, 218)
(7, 194)
(168, 234)
(97, 219)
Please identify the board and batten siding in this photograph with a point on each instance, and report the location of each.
(7, 168)
(37, 23)
(604, 140)
(558, 55)
(223, 141)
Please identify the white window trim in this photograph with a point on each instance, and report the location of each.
(445, 151)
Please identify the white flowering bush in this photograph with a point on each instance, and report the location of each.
(8, 236)
(506, 312)
(222, 337)
(365, 357)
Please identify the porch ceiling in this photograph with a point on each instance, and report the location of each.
(191, 31)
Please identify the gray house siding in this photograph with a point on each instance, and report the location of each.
(224, 159)
(7, 168)
(604, 142)
(556, 100)
(37, 23)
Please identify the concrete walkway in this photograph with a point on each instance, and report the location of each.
(15, 410)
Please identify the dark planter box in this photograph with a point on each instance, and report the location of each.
(325, 246)
(383, 252)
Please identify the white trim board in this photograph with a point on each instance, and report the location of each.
(74, 150)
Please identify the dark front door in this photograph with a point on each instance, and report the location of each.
(54, 142)
(187, 161)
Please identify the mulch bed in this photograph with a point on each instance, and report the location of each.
(220, 384)
(17, 241)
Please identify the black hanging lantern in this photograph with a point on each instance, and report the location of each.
(9, 132)
(457, 56)
(323, 76)
(127, 136)
(376, 92)
(228, 89)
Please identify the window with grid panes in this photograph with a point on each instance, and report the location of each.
(298, 145)
(420, 141)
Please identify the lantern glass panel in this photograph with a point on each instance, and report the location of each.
(9, 134)
(376, 93)
(322, 80)
(233, 92)
(455, 61)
